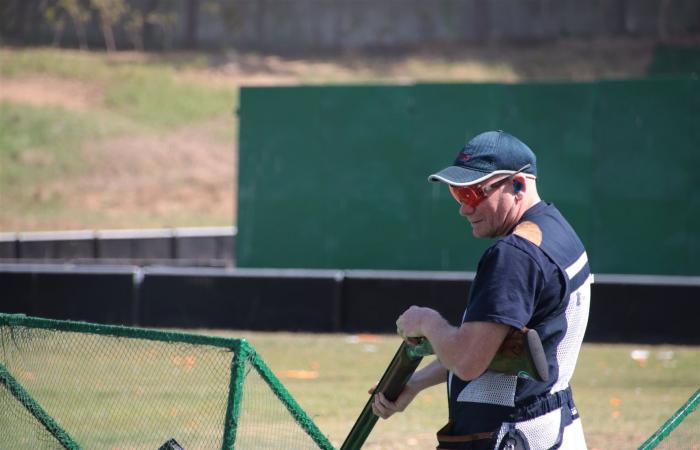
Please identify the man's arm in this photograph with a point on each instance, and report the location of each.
(466, 351)
(430, 375)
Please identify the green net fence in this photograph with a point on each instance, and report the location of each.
(681, 431)
(78, 385)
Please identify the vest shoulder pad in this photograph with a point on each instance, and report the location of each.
(529, 231)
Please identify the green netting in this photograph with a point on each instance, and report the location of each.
(264, 422)
(129, 388)
(19, 412)
(681, 431)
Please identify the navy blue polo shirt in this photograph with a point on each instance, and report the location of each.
(525, 281)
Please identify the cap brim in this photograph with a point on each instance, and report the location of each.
(459, 176)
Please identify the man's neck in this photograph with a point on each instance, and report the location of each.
(522, 207)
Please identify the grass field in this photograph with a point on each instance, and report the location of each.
(129, 387)
(622, 401)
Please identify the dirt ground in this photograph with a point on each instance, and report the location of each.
(51, 91)
(170, 177)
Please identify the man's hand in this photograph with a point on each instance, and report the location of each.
(410, 323)
(385, 408)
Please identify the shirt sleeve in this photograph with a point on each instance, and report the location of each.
(504, 290)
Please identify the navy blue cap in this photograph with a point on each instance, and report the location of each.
(487, 154)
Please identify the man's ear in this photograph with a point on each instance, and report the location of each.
(518, 184)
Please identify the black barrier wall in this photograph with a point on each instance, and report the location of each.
(99, 294)
(239, 299)
(373, 300)
(644, 309)
(623, 308)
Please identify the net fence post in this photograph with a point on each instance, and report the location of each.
(235, 394)
(306, 423)
(22, 396)
(666, 429)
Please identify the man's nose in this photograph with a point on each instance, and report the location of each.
(465, 210)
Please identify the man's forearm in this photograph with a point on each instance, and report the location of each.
(430, 375)
(443, 337)
(467, 350)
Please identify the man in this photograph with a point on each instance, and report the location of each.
(536, 275)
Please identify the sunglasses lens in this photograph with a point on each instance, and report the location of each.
(466, 195)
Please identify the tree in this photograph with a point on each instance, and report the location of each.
(191, 24)
(110, 12)
(80, 15)
(134, 25)
(166, 21)
(55, 16)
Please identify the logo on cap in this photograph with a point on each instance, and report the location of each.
(463, 156)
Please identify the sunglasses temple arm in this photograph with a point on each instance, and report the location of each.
(505, 180)
(525, 167)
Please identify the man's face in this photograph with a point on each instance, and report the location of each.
(492, 217)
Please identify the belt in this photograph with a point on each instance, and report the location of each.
(542, 405)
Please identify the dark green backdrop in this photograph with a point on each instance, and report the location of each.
(336, 177)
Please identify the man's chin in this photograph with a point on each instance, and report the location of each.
(478, 232)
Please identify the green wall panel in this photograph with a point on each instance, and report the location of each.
(556, 120)
(646, 177)
(336, 177)
(322, 188)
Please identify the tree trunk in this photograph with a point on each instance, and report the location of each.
(109, 37)
(147, 27)
(82, 36)
(191, 24)
(58, 33)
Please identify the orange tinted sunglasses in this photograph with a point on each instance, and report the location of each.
(473, 195)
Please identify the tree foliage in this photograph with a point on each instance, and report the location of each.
(57, 14)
